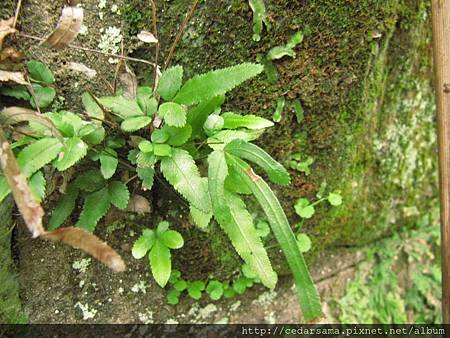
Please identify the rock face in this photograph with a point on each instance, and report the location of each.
(362, 75)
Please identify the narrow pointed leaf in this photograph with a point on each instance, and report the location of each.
(306, 291)
(232, 215)
(160, 263)
(233, 121)
(276, 172)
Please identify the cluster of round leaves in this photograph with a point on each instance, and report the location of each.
(214, 288)
(158, 243)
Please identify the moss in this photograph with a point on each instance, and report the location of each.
(10, 304)
(351, 77)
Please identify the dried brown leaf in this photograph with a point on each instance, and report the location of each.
(128, 81)
(30, 209)
(16, 77)
(68, 27)
(6, 28)
(147, 37)
(139, 204)
(11, 54)
(82, 68)
(79, 238)
(14, 115)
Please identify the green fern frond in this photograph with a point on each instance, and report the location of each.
(96, 205)
(182, 173)
(214, 83)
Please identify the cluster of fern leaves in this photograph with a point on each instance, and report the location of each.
(172, 129)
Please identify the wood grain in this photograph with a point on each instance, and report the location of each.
(441, 51)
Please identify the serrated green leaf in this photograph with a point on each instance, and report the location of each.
(200, 218)
(218, 82)
(118, 194)
(197, 116)
(172, 239)
(36, 155)
(232, 215)
(276, 172)
(234, 183)
(96, 205)
(145, 160)
(108, 163)
(37, 186)
(66, 122)
(90, 180)
(145, 146)
(259, 18)
(4, 188)
(307, 293)
(92, 108)
(18, 92)
(174, 114)
(182, 173)
(146, 101)
(44, 96)
(162, 149)
(135, 123)
(121, 106)
(222, 138)
(73, 151)
(143, 244)
(40, 72)
(64, 207)
(159, 136)
(96, 136)
(160, 263)
(177, 136)
(170, 82)
(147, 176)
(234, 121)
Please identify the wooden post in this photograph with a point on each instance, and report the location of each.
(441, 51)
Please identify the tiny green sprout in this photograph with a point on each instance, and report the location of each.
(281, 102)
(262, 229)
(335, 199)
(228, 291)
(241, 284)
(304, 209)
(195, 289)
(180, 285)
(158, 244)
(173, 297)
(298, 109)
(215, 289)
(304, 242)
(174, 276)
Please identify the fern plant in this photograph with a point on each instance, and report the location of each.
(171, 130)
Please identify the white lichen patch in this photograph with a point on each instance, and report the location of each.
(110, 41)
(84, 30)
(139, 287)
(146, 317)
(223, 320)
(265, 298)
(270, 318)
(171, 321)
(235, 305)
(207, 311)
(102, 4)
(81, 265)
(87, 313)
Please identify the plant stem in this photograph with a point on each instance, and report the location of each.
(28, 36)
(183, 26)
(155, 33)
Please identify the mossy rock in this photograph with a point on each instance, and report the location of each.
(361, 74)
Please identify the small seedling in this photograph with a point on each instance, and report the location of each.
(305, 209)
(158, 244)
